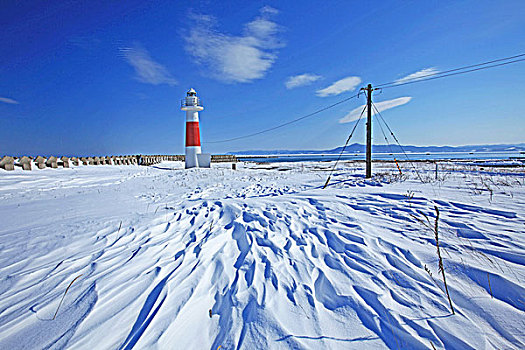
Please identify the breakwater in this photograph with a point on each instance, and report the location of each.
(40, 162)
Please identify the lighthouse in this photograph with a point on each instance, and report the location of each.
(194, 157)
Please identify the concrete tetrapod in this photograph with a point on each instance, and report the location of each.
(25, 163)
(40, 162)
(51, 162)
(7, 163)
(64, 161)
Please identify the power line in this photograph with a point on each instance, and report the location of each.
(342, 151)
(456, 71)
(460, 68)
(397, 141)
(451, 72)
(386, 139)
(287, 123)
(389, 146)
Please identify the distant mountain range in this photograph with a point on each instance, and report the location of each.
(360, 148)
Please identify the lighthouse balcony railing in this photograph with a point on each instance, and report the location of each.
(191, 103)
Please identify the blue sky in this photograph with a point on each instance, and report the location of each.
(99, 77)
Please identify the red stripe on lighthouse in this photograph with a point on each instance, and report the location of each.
(193, 137)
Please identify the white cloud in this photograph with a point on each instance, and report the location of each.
(381, 106)
(301, 80)
(268, 10)
(8, 100)
(146, 69)
(233, 58)
(417, 75)
(340, 86)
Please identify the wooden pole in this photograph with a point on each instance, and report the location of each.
(369, 132)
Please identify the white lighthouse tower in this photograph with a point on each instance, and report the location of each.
(194, 158)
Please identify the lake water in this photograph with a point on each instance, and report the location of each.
(384, 156)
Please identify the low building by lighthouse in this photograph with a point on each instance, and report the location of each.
(194, 157)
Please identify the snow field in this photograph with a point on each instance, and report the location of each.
(279, 261)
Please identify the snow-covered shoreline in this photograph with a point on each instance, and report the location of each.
(280, 262)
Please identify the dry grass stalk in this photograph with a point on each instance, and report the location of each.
(56, 312)
(441, 268)
(490, 288)
(432, 277)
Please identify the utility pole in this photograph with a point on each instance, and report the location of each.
(369, 90)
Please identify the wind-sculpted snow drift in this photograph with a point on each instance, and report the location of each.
(280, 262)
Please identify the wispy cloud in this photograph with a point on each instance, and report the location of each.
(301, 80)
(381, 106)
(146, 69)
(417, 75)
(268, 10)
(8, 100)
(232, 58)
(340, 86)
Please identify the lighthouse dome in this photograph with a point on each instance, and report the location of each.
(191, 92)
